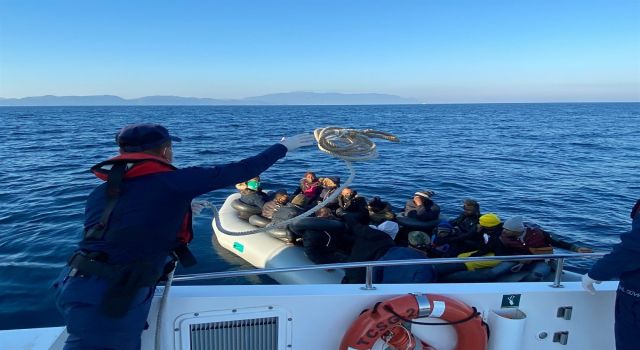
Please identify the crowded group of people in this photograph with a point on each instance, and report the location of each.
(371, 230)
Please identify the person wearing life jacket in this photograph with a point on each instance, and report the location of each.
(135, 223)
(622, 263)
(422, 207)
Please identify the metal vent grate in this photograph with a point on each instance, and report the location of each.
(250, 334)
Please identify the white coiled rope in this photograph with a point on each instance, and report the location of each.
(350, 145)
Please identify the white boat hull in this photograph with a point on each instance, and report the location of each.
(265, 251)
(315, 317)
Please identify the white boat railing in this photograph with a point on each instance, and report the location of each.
(369, 265)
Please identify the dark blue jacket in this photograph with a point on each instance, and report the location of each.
(151, 209)
(623, 262)
(405, 273)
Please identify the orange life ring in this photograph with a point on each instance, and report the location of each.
(386, 316)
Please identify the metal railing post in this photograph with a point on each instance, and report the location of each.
(369, 279)
(557, 281)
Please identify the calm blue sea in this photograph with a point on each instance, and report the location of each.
(572, 168)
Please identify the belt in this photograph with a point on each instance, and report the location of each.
(140, 275)
(81, 264)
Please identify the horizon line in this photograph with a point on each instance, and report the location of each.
(329, 105)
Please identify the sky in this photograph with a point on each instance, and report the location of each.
(445, 51)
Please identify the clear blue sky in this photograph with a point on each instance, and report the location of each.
(435, 51)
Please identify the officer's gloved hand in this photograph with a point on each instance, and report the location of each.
(198, 206)
(587, 284)
(296, 141)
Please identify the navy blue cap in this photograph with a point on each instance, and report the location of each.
(141, 137)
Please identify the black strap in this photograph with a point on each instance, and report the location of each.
(114, 181)
(473, 315)
(185, 257)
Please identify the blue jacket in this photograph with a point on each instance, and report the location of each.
(404, 273)
(151, 209)
(624, 261)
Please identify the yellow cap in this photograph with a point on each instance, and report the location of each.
(489, 220)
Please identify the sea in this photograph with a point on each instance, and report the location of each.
(572, 168)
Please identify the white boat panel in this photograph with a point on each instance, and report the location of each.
(265, 251)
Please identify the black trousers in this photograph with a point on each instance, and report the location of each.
(627, 325)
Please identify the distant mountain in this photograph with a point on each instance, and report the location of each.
(329, 98)
(49, 100)
(289, 98)
(177, 101)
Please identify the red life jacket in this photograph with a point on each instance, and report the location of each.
(533, 238)
(141, 164)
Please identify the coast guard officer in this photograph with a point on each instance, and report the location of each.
(134, 222)
(624, 263)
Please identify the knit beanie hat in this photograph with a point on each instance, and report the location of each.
(514, 224)
(418, 238)
(425, 194)
(489, 220)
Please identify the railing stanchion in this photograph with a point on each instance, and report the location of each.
(557, 281)
(369, 279)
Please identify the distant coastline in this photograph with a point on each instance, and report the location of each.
(289, 98)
